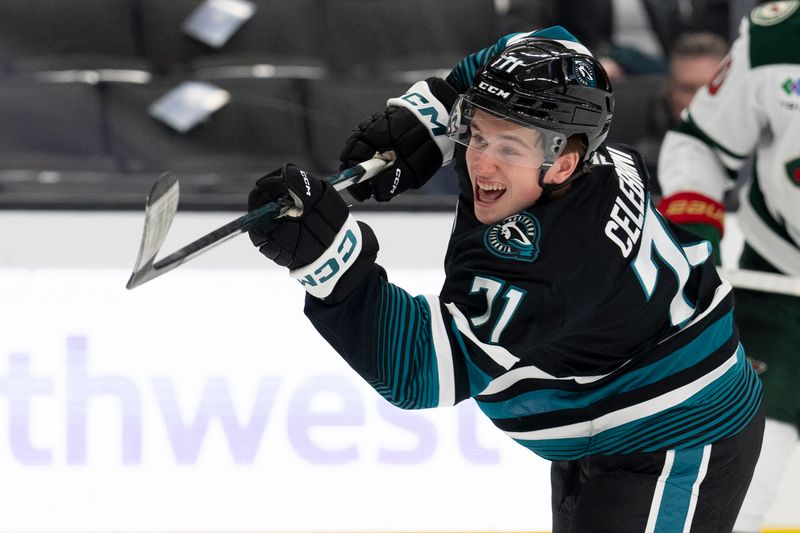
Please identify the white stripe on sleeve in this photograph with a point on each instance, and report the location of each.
(444, 354)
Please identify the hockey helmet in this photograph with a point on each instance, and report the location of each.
(554, 87)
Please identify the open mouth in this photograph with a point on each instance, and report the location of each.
(488, 192)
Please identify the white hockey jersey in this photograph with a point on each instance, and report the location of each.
(752, 105)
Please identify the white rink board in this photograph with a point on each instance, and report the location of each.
(210, 404)
(204, 401)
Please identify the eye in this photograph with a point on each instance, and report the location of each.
(477, 139)
(509, 150)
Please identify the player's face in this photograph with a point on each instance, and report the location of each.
(503, 160)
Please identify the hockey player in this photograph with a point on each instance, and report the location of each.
(752, 106)
(585, 326)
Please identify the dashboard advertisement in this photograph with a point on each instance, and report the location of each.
(204, 400)
(209, 403)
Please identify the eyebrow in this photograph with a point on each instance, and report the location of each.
(515, 139)
(507, 137)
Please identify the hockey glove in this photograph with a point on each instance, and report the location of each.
(414, 126)
(314, 235)
(698, 213)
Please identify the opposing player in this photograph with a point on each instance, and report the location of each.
(752, 106)
(584, 325)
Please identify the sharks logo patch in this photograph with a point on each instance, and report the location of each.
(584, 72)
(516, 237)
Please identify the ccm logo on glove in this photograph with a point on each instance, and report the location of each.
(413, 126)
(320, 277)
(396, 182)
(421, 101)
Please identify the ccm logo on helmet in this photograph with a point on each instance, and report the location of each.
(491, 89)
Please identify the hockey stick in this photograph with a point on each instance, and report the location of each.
(762, 281)
(162, 204)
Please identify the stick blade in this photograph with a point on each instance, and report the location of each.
(159, 211)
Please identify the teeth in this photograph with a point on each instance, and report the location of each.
(491, 187)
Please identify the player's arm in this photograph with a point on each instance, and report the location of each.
(701, 155)
(406, 347)
(400, 344)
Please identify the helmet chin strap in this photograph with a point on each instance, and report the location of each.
(549, 188)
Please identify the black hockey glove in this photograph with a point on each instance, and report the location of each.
(314, 234)
(414, 126)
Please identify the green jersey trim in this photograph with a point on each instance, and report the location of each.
(756, 199)
(689, 127)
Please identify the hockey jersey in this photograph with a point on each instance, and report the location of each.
(587, 324)
(752, 105)
(584, 324)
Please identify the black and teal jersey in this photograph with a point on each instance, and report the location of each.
(586, 324)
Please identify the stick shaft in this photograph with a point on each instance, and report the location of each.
(341, 180)
(762, 281)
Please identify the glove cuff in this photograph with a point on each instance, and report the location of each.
(320, 277)
(693, 208)
(432, 112)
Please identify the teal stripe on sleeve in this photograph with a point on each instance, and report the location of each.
(558, 33)
(463, 74)
(407, 366)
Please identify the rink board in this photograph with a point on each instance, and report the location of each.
(204, 401)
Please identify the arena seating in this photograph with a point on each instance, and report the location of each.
(281, 33)
(52, 127)
(261, 127)
(387, 36)
(77, 78)
(335, 106)
(45, 35)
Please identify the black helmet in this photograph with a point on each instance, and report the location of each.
(548, 84)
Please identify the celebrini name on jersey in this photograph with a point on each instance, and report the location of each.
(624, 226)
